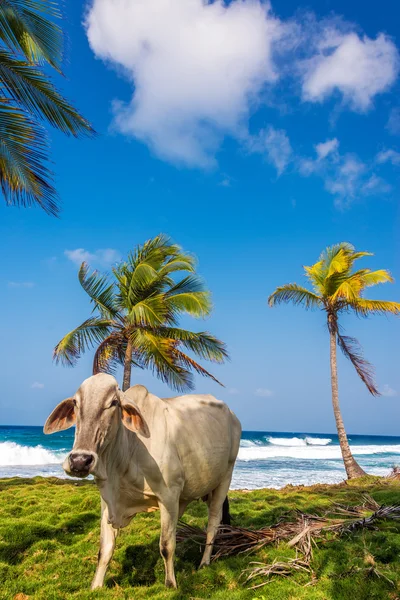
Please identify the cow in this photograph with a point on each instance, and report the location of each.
(146, 453)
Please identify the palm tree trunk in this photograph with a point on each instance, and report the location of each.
(126, 383)
(353, 469)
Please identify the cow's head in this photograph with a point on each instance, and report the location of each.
(97, 410)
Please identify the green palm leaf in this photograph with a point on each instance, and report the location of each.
(202, 343)
(188, 362)
(31, 89)
(26, 28)
(90, 333)
(100, 290)
(158, 355)
(24, 177)
(291, 292)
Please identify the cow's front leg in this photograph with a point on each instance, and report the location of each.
(107, 544)
(169, 519)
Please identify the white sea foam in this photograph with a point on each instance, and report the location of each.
(310, 452)
(257, 479)
(294, 441)
(12, 454)
(313, 441)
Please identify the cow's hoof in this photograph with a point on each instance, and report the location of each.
(204, 564)
(170, 584)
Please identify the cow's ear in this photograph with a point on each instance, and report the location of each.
(132, 418)
(62, 417)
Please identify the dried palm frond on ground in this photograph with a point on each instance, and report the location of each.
(283, 569)
(394, 473)
(299, 530)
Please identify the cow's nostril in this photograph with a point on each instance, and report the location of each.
(80, 462)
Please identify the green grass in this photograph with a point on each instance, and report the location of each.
(49, 535)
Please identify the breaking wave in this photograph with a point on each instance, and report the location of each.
(311, 441)
(310, 452)
(13, 454)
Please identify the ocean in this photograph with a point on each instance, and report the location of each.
(266, 459)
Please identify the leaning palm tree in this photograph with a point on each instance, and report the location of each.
(137, 314)
(338, 289)
(29, 40)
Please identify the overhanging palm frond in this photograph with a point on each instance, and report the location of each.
(296, 294)
(352, 350)
(28, 86)
(24, 177)
(90, 333)
(25, 27)
(100, 290)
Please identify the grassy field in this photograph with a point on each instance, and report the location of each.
(49, 533)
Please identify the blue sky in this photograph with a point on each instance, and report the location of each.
(253, 136)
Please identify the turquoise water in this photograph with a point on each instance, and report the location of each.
(266, 459)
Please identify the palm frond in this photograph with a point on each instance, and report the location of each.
(352, 350)
(370, 278)
(190, 364)
(90, 333)
(25, 27)
(31, 89)
(203, 344)
(100, 290)
(150, 312)
(189, 296)
(159, 356)
(181, 262)
(111, 353)
(364, 307)
(296, 294)
(24, 177)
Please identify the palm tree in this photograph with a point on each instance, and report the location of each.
(29, 39)
(338, 289)
(136, 322)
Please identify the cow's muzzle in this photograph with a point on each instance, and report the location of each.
(79, 464)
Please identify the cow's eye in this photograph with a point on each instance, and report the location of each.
(114, 402)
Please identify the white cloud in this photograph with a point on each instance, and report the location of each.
(197, 69)
(390, 156)
(36, 385)
(325, 148)
(375, 185)
(20, 284)
(345, 176)
(263, 393)
(359, 68)
(388, 391)
(275, 145)
(104, 257)
(393, 124)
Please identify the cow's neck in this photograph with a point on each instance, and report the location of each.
(121, 469)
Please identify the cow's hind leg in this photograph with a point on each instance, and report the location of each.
(107, 544)
(214, 516)
(169, 519)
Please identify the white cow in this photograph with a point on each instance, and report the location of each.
(147, 453)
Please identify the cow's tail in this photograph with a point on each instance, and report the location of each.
(226, 515)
